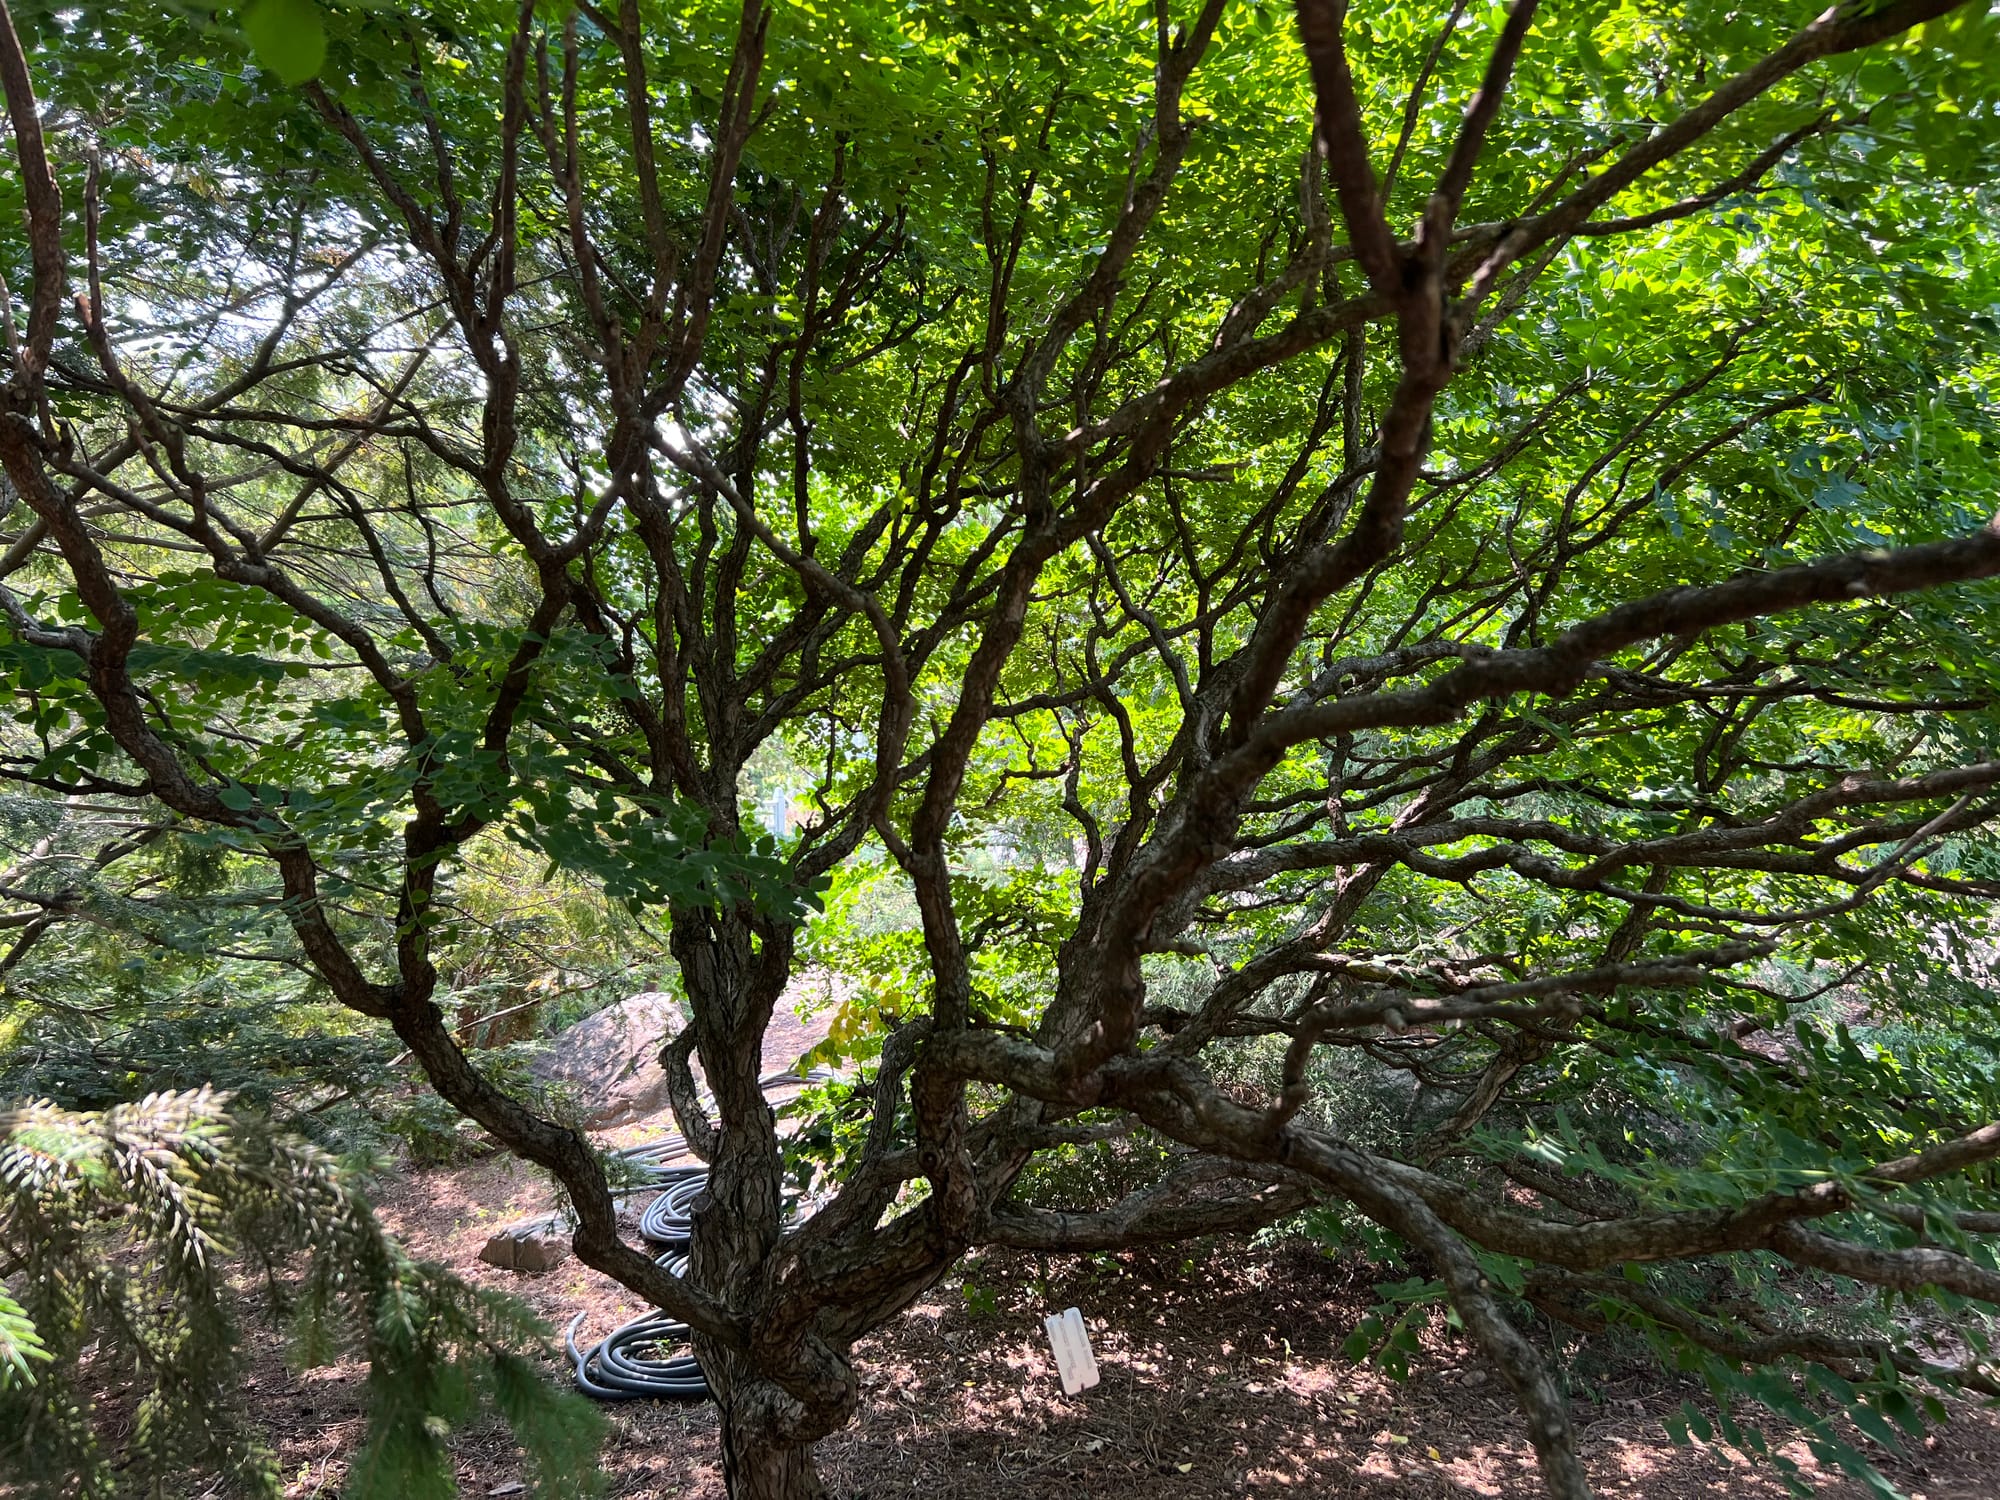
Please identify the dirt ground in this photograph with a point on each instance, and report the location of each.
(1221, 1377)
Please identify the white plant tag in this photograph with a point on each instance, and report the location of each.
(1074, 1361)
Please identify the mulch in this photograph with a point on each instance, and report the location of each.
(1221, 1376)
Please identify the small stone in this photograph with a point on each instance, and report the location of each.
(499, 1251)
(542, 1252)
(529, 1247)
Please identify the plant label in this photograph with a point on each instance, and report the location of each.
(1074, 1362)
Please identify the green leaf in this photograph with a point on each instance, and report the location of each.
(287, 36)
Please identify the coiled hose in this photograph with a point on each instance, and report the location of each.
(617, 1368)
(668, 1219)
(631, 1363)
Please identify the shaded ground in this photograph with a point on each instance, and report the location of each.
(1221, 1377)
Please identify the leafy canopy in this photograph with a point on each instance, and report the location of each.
(1363, 612)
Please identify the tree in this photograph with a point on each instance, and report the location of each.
(1470, 529)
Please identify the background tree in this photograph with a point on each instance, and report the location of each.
(1467, 526)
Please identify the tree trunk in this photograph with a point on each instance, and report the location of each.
(761, 1459)
(754, 1467)
(735, 971)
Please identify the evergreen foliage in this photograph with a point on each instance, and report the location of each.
(126, 1237)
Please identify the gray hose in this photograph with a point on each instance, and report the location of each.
(668, 1219)
(630, 1362)
(615, 1369)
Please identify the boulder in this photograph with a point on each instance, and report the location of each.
(612, 1059)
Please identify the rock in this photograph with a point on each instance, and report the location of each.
(543, 1252)
(533, 1246)
(612, 1061)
